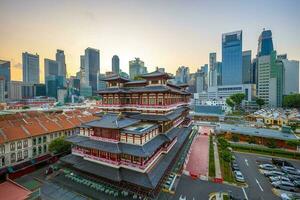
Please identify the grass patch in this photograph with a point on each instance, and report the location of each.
(212, 171)
(266, 151)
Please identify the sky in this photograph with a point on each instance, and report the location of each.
(164, 33)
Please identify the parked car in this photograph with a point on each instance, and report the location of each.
(290, 170)
(281, 163)
(297, 183)
(234, 166)
(279, 178)
(293, 177)
(269, 167)
(273, 173)
(239, 176)
(284, 185)
(285, 196)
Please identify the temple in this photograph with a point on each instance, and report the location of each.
(143, 126)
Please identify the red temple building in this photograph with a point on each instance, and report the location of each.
(135, 142)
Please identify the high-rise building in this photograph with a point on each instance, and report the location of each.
(182, 75)
(115, 64)
(253, 72)
(270, 79)
(61, 60)
(212, 70)
(39, 90)
(136, 68)
(201, 80)
(82, 62)
(5, 72)
(2, 89)
(247, 67)
(219, 73)
(92, 67)
(265, 43)
(232, 58)
(31, 68)
(292, 74)
(101, 83)
(51, 67)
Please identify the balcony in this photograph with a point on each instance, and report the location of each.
(141, 106)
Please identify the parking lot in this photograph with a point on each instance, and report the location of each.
(259, 186)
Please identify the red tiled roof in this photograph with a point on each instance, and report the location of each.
(12, 191)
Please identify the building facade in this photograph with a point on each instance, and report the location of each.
(232, 73)
(247, 67)
(182, 75)
(92, 67)
(265, 43)
(115, 64)
(5, 72)
(136, 68)
(292, 74)
(31, 68)
(62, 68)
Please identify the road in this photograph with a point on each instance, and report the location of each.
(200, 190)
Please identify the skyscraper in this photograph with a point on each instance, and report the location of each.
(219, 73)
(182, 75)
(115, 64)
(265, 43)
(136, 67)
(31, 68)
(92, 67)
(247, 67)
(61, 60)
(232, 58)
(5, 72)
(212, 71)
(51, 77)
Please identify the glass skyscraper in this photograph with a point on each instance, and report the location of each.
(115, 64)
(232, 61)
(31, 68)
(265, 43)
(247, 67)
(92, 67)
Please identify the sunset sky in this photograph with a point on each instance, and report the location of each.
(164, 33)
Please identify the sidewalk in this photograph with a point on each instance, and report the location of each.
(217, 161)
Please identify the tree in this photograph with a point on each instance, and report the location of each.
(260, 102)
(271, 143)
(230, 103)
(237, 99)
(223, 143)
(293, 143)
(59, 145)
(291, 101)
(226, 156)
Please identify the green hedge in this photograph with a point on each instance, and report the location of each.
(212, 171)
(264, 150)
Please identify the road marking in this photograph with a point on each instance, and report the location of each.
(259, 185)
(245, 194)
(246, 161)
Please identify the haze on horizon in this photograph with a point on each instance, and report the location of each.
(162, 33)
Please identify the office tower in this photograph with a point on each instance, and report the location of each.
(101, 83)
(92, 67)
(27, 90)
(270, 79)
(291, 75)
(182, 75)
(219, 73)
(61, 60)
(212, 70)
(82, 62)
(52, 80)
(5, 72)
(253, 72)
(201, 80)
(31, 68)
(265, 43)
(115, 64)
(136, 68)
(2, 89)
(232, 58)
(51, 67)
(247, 67)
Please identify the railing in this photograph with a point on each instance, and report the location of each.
(142, 105)
(103, 139)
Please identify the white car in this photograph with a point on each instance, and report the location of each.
(279, 178)
(273, 173)
(239, 176)
(285, 196)
(290, 170)
(267, 167)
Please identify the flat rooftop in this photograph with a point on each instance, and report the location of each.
(139, 128)
(258, 132)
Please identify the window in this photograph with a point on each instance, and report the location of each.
(12, 157)
(45, 148)
(44, 139)
(145, 101)
(34, 141)
(51, 136)
(152, 101)
(40, 140)
(19, 144)
(19, 155)
(12, 146)
(26, 154)
(40, 149)
(2, 149)
(25, 143)
(34, 151)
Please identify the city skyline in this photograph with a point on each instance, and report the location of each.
(109, 27)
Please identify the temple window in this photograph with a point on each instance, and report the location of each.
(151, 101)
(110, 100)
(145, 101)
